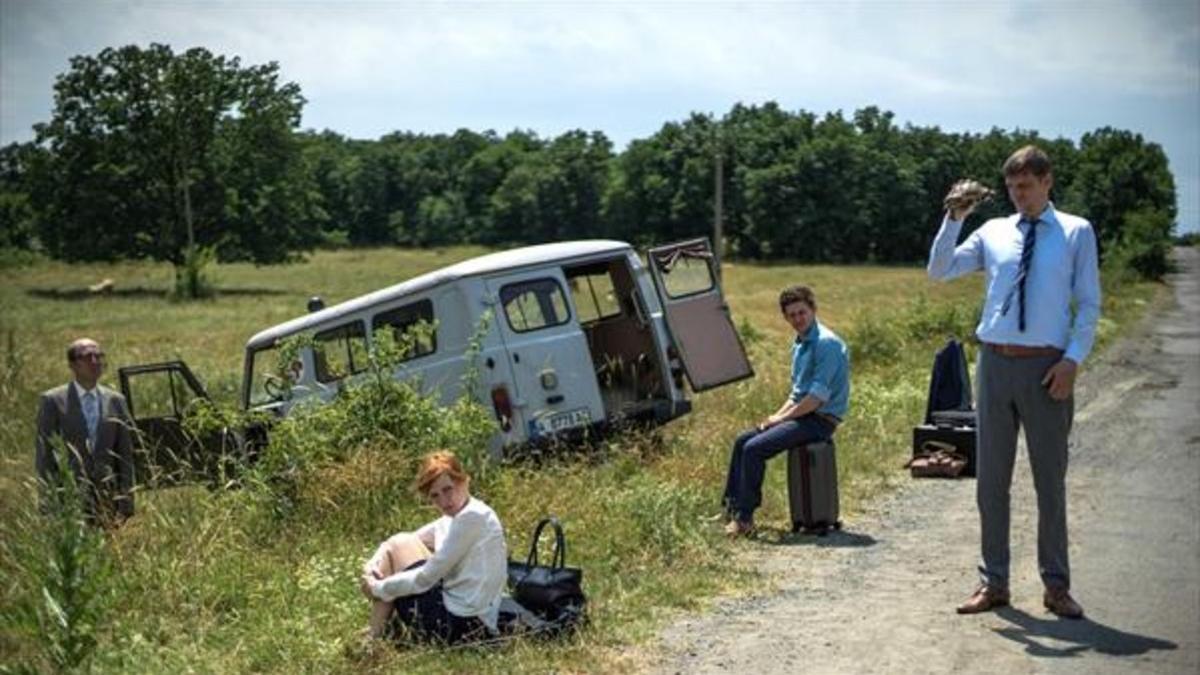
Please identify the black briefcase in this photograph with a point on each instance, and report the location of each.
(957, 434)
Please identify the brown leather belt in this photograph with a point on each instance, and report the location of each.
(1021, 351)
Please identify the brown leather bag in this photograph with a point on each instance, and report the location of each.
(937, 460)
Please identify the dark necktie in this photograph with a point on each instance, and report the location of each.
(1027, 245)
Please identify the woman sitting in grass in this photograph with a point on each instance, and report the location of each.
(444, 581)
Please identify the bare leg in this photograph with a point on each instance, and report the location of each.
(393, 555)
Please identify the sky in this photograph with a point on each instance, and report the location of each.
(1062, 68)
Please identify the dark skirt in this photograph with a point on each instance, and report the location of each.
(424, 618)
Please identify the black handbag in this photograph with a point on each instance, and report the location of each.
(553, 592)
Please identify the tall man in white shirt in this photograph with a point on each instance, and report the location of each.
(1037, 262)
(94, 426)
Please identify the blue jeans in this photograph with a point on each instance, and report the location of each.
(752, 449)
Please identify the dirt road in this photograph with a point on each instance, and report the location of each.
(880, 597)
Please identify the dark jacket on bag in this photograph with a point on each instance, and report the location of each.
(950, 383)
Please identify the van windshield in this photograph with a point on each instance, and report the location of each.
(267, 384)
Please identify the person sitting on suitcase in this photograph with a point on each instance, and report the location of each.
(817, 403)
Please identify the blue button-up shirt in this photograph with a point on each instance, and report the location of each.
(1063, 269)
(821, 369)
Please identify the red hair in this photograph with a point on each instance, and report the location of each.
(435, 465)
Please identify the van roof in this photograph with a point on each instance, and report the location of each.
(501, 261)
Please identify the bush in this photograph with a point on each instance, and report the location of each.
(884, 338)
(194, 279)
(18, 258)
(1144, 247)
(925, 321)
(376, 412)
(873, 339)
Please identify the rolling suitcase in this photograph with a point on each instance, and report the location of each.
(813, 488)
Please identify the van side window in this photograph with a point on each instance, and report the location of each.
(593, 292)
(412, 326)
(340, 352)
(530, 305)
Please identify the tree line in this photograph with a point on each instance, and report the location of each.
(151, 154)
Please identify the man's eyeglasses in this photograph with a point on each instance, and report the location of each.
(90, 356)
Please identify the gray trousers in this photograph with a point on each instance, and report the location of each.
(1011, 396)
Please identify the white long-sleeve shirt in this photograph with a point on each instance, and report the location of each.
(470, 558)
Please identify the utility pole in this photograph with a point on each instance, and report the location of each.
(718, 208)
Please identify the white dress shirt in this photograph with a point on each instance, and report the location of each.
(1063, 270)
(470, 558)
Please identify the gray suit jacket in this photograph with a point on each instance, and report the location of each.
(105, 471)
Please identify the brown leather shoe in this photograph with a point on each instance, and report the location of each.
(985, 598)
(1060, 602)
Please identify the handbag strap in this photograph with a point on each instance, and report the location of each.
(559, 559)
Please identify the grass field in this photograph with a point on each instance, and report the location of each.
(213, 582)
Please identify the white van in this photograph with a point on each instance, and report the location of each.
(573, 337)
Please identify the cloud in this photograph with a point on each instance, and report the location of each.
(382, 51)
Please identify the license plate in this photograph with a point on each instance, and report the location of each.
(563, 420)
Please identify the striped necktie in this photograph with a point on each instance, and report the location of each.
(1018, 288)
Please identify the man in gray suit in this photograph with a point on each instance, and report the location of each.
(94, 426)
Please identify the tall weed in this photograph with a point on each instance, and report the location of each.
(662, 514)
(60, 569)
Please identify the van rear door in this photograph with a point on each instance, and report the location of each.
(697, 315)
(556, 389)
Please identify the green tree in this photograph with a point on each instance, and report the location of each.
(580, 164)
(370, 198)
(1119, 173)
(759, 147)
(329, 158)
(666, 190)
(482, 176)
(17, 224)
(519, 205)
(162, 154)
